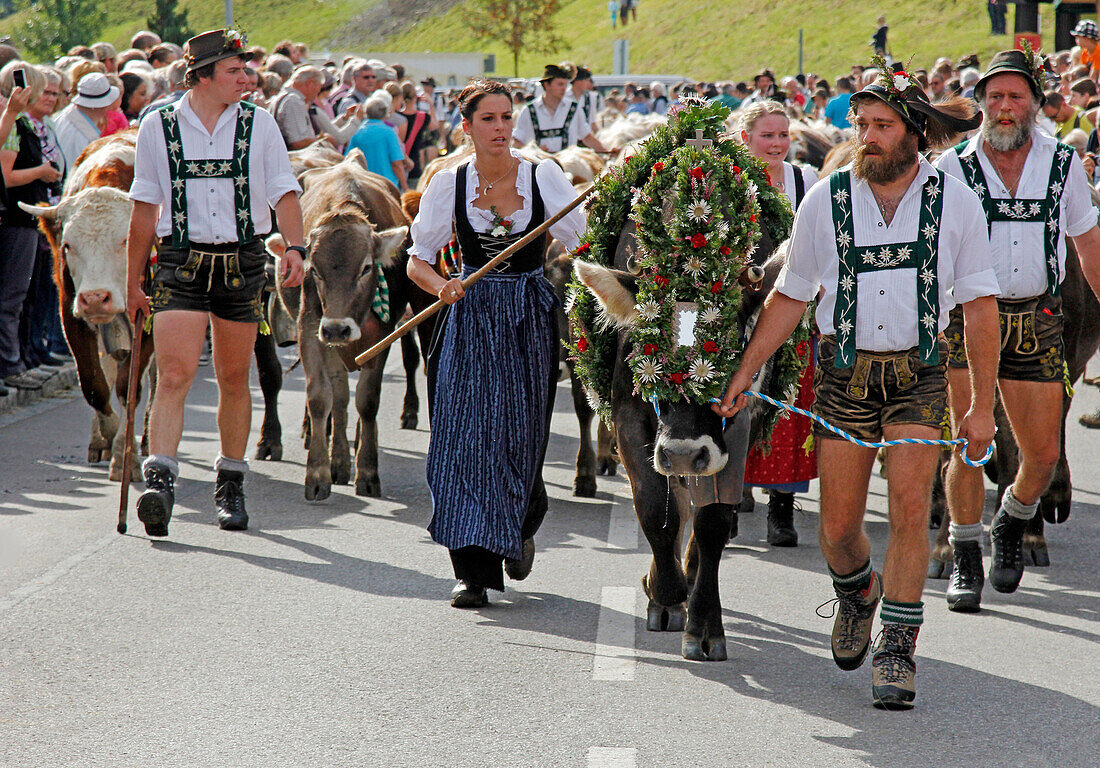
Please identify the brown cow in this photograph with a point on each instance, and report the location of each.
(354, 225)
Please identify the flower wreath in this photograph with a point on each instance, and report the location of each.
(592, 344)
(697, 226)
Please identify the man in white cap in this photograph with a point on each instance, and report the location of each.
(79, 124)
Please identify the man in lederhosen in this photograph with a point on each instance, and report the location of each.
(1034, 194)
(207, 172)
(894, 245)
(553, 121)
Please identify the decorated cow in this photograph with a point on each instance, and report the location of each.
(663, 301)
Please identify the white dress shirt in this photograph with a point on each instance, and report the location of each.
(1019, 248)
(579, 127)
(809, 178)
(431, 229)
(75, 131)
(210, 209)
(886, 300)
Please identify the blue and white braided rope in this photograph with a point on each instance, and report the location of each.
(962, 442)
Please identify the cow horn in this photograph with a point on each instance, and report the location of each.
(45, 211)
(751, 276)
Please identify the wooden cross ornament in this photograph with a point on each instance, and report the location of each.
(699, 141)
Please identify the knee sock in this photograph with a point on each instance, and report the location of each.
(230, 465)
(959, 533)
(1016, 508)
(162, 460)
(909, 614)
(858, 579)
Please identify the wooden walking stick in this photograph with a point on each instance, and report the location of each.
(131, 406)
(385, 343)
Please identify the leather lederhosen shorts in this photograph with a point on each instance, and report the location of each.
(880, 388)
(225, 280)
(1031, 339)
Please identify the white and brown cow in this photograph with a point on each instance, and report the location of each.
(87, 233)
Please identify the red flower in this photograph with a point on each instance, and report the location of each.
(698, 240)
(737, 169)
(628, 158)
(802, 348)
(710, 346)
(649, 349)
(507, 223)
(582, 344)
(752, 218)
(676, 378)
(697, 173)
(582, 248)
(661, 280)
(724, 250)
(716, 287)
(658, 166)
(767, 176)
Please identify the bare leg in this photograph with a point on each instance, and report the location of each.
(909, 484)
(965, 485)
(845, 472)
(1035, 412)
(233, 345)
(179, 336)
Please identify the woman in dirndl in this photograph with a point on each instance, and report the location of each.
(792, 461)
(496, 358)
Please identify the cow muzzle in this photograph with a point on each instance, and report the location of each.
(97, 307)
(338, 331)
(694, 456)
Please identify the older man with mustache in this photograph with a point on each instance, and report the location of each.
(894, 245)
(1035, 194)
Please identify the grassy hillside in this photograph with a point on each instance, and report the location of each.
(721, 39)
(712, 39)
(266, 22)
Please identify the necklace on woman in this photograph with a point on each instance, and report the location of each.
(489, 186)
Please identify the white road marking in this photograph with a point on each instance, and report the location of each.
(614, 655)
(21, 593)
(622, 532)
(612, 757)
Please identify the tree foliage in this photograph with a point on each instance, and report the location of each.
(521, 25)
(170, 22)
(54, 26)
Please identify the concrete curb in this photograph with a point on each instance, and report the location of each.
(61, 381)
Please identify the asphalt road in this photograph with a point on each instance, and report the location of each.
(323, 636)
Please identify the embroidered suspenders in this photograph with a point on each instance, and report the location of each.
(552, 133)
(920, 255)
(235, 168)
(1045, 210)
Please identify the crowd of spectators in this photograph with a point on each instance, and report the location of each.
(397, 123)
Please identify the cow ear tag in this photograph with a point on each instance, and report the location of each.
(684, 316)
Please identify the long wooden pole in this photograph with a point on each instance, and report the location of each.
(131, 406)
(385, 343)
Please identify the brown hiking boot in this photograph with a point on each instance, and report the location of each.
(855, 615)
(893, 670)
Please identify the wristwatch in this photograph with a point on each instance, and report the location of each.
(301, 249)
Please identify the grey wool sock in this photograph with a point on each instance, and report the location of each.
(232, 465)
(1017, 508)
(959, 533)
(162, 460)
